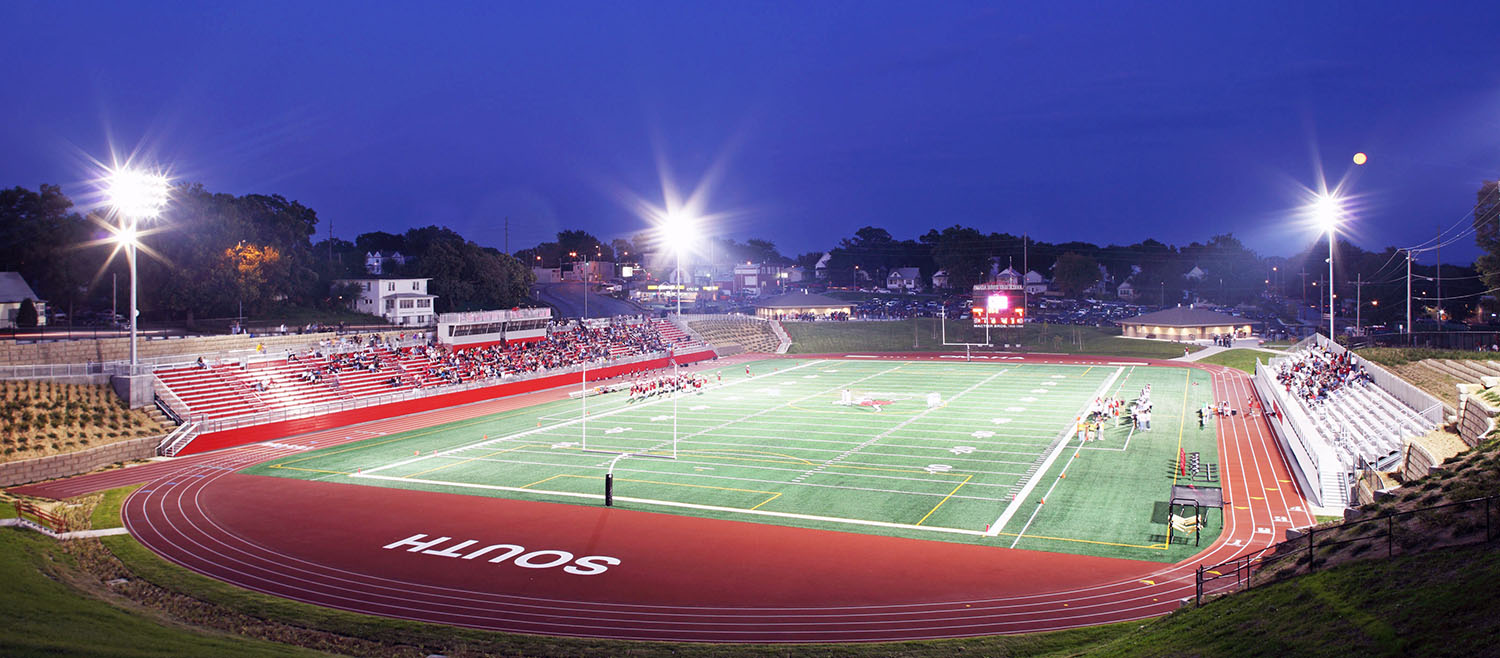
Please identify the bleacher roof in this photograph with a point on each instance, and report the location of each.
(1187, 316)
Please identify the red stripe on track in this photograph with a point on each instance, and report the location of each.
(681, 578)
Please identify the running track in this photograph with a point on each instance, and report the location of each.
(679, 578)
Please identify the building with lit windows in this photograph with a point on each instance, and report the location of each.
(400, 301)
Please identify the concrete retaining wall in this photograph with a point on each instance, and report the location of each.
(118, 349)
(73, 463)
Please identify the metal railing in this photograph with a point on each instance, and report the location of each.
(1311, 456)
(1388, 535)
(179, 437)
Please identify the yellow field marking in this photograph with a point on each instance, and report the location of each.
(773, 494)
(1272, 489)
(1214, 572)
(1256, 498)
(360, 444)
(1152, 547)
(526, 486)
(1187, 384)
(1146, 581)
(483, 456)
(753, 452)
(1286, 481)
(945, 498)
(778, 495)
(309, 470)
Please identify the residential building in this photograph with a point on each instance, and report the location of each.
(13, 291)
(400, 301)
(907, 279)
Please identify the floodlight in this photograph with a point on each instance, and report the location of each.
(678, 231)
(137, 195)
(1327, 211)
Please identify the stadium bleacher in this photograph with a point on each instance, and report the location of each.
(1359, 420)
(750, 334)
(221, 390)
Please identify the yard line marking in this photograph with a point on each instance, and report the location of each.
(1062, 443)
(945, 499)
(712, 508)
(904, 423)
(574, 421)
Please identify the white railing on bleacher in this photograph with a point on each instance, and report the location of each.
(209, 425)
(1312, 457)
(1414, 398)
(169, 398)
(179, 437)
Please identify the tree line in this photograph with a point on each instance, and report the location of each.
(217, 255)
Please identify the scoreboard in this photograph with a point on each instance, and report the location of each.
(999, 304)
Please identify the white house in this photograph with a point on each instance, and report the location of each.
(1195, 274)
(1127, 292)
(399, 301)
(820, 269)
(377, 264)
(13, 291)
(904, 278)
(1036, 284)
(940, 279)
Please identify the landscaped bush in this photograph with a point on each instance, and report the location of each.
(39, 418)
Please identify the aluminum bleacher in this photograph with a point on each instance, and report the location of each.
(255, 387)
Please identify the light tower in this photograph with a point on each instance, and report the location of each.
(135, 197)
(1328, 211)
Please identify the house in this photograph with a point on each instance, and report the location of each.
(14, 291)
(908, 279)
(756, 278)
(1195, 274)
(1127, 292)
(377, 264)
(1037, 284)
(940, 279)
(400, 301)
(1007, 276)
(820, 270)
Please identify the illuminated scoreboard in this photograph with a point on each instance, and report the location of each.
(999, 304)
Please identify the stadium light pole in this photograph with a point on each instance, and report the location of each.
(677, 230)
(1328, 210)
(136, 197)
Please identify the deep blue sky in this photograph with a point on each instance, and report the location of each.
(1090, 121)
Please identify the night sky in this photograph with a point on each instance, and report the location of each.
(1068, 121)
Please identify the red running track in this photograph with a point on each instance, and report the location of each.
(678, 578)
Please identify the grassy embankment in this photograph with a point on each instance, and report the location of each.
(926, 335)
(1240, 359)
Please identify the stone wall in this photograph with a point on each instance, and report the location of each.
(73, 463)
(99, 350)
(1418, 462)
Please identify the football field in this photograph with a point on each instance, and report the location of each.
(954, 451)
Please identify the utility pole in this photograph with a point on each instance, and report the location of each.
(1409, 337)
(1359, 285)
(1303, 274)
(1438, 277)
(507, 235)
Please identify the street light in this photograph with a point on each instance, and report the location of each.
(136, 197)
(1327, 210)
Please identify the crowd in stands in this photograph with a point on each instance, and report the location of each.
(1316, 373)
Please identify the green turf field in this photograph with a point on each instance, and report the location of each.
(777, 447)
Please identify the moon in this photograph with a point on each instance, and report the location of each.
(1360, 158)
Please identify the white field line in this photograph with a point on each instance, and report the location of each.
(1010, 510)
(708, 476)
(713, 508)
(486, 442)
(898, 426)
(743, 418)
(1038, 509)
